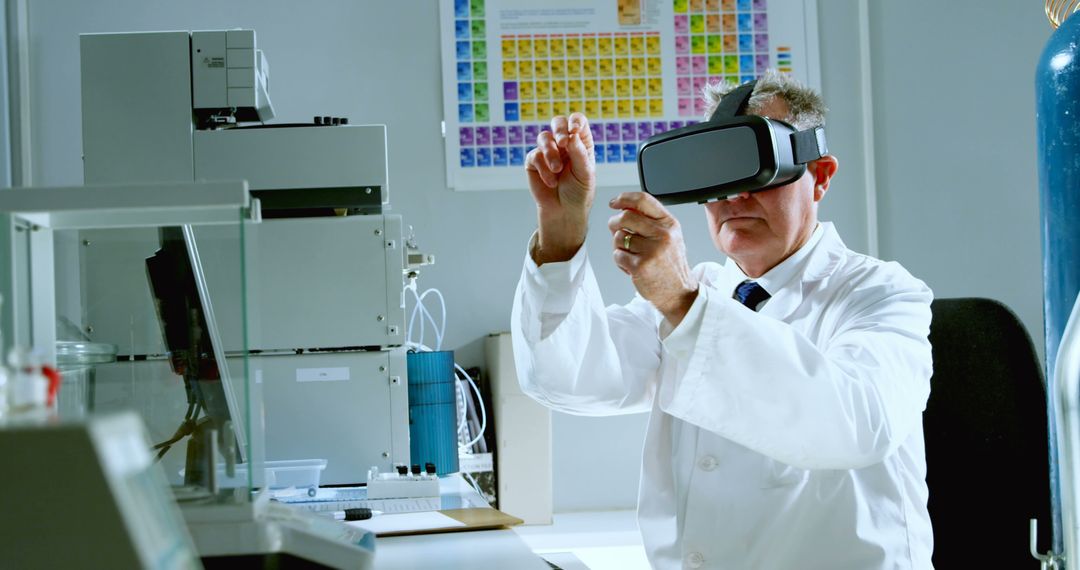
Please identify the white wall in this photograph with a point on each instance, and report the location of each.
(946, 212)
(954, 102)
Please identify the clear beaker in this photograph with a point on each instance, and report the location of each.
(76, 361)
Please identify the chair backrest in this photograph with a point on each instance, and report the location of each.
(986, 437)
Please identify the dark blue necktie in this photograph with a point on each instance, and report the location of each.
(751, 294)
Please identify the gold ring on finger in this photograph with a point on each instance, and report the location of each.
(626, 241)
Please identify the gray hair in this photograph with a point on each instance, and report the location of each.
(806, 109)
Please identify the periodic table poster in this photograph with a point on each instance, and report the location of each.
(636, 68)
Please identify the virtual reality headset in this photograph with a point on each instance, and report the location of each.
(729, 154)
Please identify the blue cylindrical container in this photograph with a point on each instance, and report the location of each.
(1057, 98)
(433, 414)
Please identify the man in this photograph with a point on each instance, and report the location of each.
(785, 387)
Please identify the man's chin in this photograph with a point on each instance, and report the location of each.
(736, 244)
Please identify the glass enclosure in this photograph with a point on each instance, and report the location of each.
(148, 312)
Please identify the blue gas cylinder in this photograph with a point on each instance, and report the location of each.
(1057, 98)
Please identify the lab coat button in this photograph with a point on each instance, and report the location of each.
(695, 560)
(708, 463)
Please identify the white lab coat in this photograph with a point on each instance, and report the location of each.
(786, 438)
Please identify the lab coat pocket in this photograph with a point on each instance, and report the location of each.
(780, 474)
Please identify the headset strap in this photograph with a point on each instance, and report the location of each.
(734, 103)
(808, 145)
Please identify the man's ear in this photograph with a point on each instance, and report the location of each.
(823, 170)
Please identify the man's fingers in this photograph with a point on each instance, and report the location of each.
(579, 123)
(560, 130)
(539, 171)
(636, 223)
(626, 261)
(642, 202)
(582, 164)
(551, 154)
(630, 242)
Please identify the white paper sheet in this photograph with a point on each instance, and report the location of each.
(407, 522)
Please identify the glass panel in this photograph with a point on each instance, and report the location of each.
(154, 319)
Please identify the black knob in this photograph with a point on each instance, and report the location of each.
(358, 514)
(402, 470)
(415, 469)
(344, 120)
(325, 120)
(430, 468)
(318, 120)
(335, 121)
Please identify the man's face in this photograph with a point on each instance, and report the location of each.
(759, 230)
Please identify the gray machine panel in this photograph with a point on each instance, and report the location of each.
(348, 408)
(330, 282)
(135, 130)
(311, 283)
(294, 158)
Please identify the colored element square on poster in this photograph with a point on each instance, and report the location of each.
(479, 50)
(682, 44)
(682, 24)
(697, 44)
(483, 156)
(597, 131)
(612, 132)
(612, 154)
(479, 30)
(517, 156)
(483, 135)
(468, 157)
(465, 113)
(557, 47)
(746, 23)
(540, 47)
(514, 134)
(500, 156)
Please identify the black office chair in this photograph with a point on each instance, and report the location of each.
(986, 438)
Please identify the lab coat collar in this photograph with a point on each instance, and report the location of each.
(813, 262)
